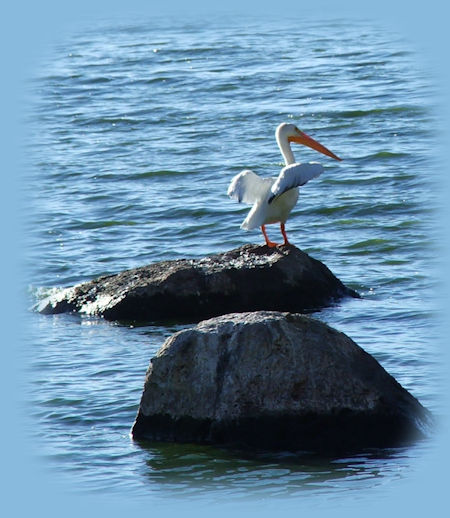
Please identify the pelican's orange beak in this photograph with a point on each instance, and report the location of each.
(303, 138)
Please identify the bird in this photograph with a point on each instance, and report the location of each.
(274, 198)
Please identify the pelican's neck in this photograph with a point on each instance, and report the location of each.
(285, 148)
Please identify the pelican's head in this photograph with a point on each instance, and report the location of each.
(288, 132)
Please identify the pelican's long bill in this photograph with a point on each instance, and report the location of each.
(303, 138)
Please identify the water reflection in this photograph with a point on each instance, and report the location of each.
(195, 470)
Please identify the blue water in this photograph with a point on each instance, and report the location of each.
(135, 131)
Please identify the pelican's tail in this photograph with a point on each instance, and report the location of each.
(255, 217)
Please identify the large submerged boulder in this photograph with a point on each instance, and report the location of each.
(275, 381)
(249, 278)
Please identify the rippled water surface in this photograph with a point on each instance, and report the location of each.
(135, 132)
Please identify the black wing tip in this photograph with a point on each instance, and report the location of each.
(270, 200)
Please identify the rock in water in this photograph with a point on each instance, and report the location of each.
(276, 381)
(249, 278)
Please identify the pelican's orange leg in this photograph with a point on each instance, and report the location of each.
(269, 243)
(283, 231)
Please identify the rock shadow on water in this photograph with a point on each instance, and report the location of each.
(185, 470)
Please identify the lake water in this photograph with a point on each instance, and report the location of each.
(135, 131)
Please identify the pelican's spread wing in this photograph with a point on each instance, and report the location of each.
(294, 175)
(248, 187)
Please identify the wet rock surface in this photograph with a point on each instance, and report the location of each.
(275, 381)
(249, 278)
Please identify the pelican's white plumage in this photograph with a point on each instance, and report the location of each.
(248, 187)
(274, 198)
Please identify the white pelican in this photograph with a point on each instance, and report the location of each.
(274, 198)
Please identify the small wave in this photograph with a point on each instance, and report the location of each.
(87, 225)
(40, 293)
(395, 262)
(326, 211)
(350, 222)
(367, 243)
(162, 172)
(403, 207)
(395, 281)
(357, 181)
(43, 297)
(371, 246)
(116, 120)
(384, 155)
(351, 114)
(95, 80)
(193, 229)
(156, 80)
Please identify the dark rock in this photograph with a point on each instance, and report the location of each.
(249, 278)
(275, 381)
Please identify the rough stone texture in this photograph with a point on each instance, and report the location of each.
(248, 278)
(274, 380)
